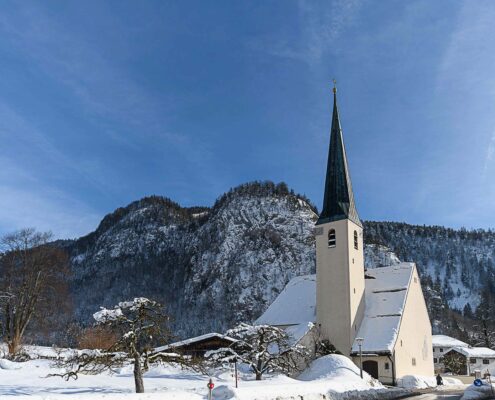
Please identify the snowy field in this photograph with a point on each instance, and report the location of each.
(333, 376)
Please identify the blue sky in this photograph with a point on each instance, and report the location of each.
(102, 103)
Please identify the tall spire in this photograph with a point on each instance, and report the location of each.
(338, 202)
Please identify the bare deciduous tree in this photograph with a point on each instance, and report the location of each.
(33, 282)
(264, 348)
(136, 326)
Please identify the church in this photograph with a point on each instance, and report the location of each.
(377, 316)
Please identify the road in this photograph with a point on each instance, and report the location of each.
(439, 396)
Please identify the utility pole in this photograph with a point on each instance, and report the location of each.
(360, 344)
(235, 371)
(490, 381)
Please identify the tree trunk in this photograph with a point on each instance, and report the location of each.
(258, 376)
(146, 362)
(14, 344)
(138, 374)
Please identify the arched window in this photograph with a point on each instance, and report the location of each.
(331, 238)
(356, 240)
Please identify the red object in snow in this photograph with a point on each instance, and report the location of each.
(210, 385)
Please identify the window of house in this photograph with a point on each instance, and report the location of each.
(485, 361)
(441, 350)
(401, 343)
(435, 360)
(415, 280)
(413, 361)
(387, 365)
(356, 240)
(472, 360)
(440, 359)
(331, 238)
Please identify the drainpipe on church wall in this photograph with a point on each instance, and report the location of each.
(393, 368)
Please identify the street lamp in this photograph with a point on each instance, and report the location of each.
(360, 341)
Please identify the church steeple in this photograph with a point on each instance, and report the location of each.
(338, 202)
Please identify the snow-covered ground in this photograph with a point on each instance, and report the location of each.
(429, 382)
(333, 376)
(486, 391)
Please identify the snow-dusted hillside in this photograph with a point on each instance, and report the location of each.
(212, 267)
(217, 266)
(457, 262)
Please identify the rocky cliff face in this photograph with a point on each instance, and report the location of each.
(217, 266)
(212, 267)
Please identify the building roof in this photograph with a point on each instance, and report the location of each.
(297, 332)
(446, 341)
(296, 304)
(474, 352)
(386, 293)
(338, 201)
(195, 340)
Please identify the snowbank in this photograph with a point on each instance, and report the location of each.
(417, 382)
(479, 392)
(332, 376)
(448, 381)
(339, 368)
(6, 364)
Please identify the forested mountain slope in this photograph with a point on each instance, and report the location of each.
(457, 269)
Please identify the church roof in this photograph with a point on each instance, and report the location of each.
(385, 298)
(386, 294)
(338, 201)
(296, 304)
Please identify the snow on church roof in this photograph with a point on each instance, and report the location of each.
(385, 292)
(294, 305)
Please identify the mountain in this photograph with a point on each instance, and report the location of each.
(214, 267)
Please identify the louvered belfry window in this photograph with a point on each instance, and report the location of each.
(331, 238)
(356, 240)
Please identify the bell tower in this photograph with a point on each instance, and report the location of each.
(339, 250)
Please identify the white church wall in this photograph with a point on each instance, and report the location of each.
(413, 353)
(385, 374)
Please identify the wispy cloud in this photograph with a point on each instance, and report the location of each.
(321, 23)
(467, 71)
(27, 146)
(469, 56)
(109, 98)
(28, 202)
(101, 86)
(105, 88)
(490, 155)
